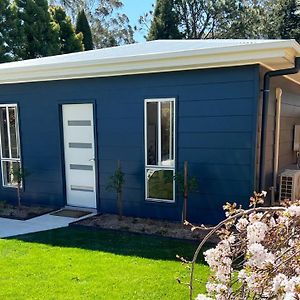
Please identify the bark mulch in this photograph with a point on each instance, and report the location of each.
(145, 226)
(23, 212)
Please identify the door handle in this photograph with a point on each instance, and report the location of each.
(92, 159)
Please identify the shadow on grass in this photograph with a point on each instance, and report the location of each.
(120, 243)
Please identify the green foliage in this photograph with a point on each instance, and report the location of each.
(116, 181)
(19, 175)
(285, 20)
(11, 32)
(69, 41)
(109, 25)
(242, 19)
(192, 183)
(82, 25)
(3, 204)
(230, 19)
(41, 35)
(165, 22)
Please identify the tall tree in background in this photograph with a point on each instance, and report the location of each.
(69, 41)
(243, 19)
(41, 35)
(11, 33)
(204, 19)
(109, 26)
(286, 20)
(199, 19)
(82, 25)
(165, 22)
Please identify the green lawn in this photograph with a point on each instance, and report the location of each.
(85, 264)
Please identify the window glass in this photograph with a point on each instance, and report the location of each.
(160, 166)
(152, 128)
(10, 171)
(10, 147)
(13, 132)
(167, 158)
(4, 133)
(160, 184)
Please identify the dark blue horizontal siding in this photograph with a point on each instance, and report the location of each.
(215, 124)
(213, 156)
(216, 129)
(216, 140)
(213, 108)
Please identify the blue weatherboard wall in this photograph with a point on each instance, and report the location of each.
(216, 133)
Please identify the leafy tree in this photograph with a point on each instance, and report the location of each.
(284, 20)
(41, 35)
(204, 19)
(242, 19)
(69, 41)
(109, 26)
(11, 33)
(197, 19)
(165, 23)
(82, 25)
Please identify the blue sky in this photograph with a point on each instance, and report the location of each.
(134, 9)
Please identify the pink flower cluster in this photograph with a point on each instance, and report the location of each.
(258, 256)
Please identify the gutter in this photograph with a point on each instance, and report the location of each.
(265, 105)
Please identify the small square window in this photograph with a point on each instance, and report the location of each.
(160, 184)
(10, 171)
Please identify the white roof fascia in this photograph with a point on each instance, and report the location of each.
(150, 63)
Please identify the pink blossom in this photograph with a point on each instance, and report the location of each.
(256, 232)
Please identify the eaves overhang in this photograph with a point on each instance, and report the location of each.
(272, 54)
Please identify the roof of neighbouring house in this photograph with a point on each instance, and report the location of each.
(153, 56)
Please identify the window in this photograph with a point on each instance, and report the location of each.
(10, 145)
(160, 149)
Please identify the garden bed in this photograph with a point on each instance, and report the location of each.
(144, 226)
(22, 212)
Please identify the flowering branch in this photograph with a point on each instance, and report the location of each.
(258, 256)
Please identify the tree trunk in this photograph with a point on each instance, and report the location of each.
(119, 197)
(19, 195)
(185, 192)
(120, 205)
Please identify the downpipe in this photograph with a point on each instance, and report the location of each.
(276, 144)
(265, 105)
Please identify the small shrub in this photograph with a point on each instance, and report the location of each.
(116, 182)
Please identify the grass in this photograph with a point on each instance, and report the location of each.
(85, 264)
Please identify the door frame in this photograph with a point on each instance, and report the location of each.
(62, 149)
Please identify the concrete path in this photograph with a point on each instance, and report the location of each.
(9, 227)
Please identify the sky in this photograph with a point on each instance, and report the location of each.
(134, 9)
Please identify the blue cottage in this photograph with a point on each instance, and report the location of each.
(68, 119)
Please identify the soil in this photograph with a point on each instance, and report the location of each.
(145, 226)
(22, 212)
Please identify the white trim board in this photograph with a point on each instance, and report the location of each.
(152, 57)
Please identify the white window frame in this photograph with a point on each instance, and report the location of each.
(159, 166)
(10, 159)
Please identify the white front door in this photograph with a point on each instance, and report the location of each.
(79, 147)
